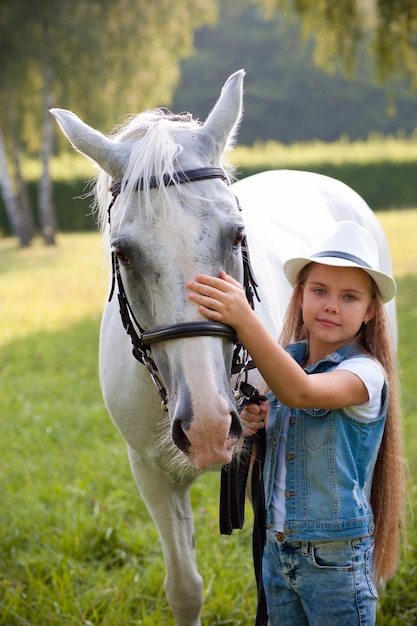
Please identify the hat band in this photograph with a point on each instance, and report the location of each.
(341, 255)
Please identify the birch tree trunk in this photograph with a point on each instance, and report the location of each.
(22, 196)
(9, 196)
(47, 219)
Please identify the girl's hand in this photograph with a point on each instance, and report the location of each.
(220, 299)
(254, 417)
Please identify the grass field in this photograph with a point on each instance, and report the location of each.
(76, 543)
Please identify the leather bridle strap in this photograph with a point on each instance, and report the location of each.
(187, 329)
(188, 176)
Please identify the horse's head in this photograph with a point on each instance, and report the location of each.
(163, 231)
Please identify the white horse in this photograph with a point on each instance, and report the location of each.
(165, 227)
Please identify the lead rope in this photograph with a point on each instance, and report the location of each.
(234, 476)
(233, 482)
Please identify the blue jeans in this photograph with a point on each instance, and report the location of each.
(328, 583)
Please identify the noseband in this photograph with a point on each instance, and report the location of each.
(141, 339)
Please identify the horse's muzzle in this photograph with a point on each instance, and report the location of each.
(207, 442)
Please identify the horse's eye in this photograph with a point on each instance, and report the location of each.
(120, 255)
(239, 238)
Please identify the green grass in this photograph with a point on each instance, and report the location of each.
(76, 543)
(376, 148)
(68, 166)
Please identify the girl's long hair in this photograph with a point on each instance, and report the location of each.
(388, 484)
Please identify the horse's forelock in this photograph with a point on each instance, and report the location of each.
(137, 126)
(154, 154)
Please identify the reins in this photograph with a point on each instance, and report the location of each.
(142, 339)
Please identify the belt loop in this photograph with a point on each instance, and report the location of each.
(304, 548)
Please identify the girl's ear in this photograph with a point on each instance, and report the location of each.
(370, 311)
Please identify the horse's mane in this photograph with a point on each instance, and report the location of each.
(157, 142)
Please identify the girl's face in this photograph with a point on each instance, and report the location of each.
(335, 302)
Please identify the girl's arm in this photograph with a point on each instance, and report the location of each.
(223, 300)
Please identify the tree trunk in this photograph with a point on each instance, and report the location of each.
(9, 197)
(25, 209)
(47, 218)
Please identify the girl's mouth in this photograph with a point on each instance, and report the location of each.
(328, 323)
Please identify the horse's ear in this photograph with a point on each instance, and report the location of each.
(223, 122)
(108, 154)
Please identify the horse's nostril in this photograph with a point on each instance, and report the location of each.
(180, 438)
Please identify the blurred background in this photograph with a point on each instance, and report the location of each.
(330, 71)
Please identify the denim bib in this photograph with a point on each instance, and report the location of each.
(330, 459)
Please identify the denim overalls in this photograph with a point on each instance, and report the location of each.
(330, 458)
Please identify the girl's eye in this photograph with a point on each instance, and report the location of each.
(350, 298)
(319, 291)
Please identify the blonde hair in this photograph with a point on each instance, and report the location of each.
(388, 484)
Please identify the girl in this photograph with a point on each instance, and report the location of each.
(332, 472)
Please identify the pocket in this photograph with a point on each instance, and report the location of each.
(315, 434)
(347, 556)
(332, 555)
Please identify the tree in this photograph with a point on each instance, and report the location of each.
(14, 192)
(8, 193)
(339, 25)
(287, 97)
(104, 59)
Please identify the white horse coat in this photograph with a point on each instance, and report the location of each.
(162, 238)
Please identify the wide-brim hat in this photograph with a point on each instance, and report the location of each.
(347, 245)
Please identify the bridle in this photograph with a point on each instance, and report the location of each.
(234, 475)
(141, 339)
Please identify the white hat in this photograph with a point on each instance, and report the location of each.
(347, 245)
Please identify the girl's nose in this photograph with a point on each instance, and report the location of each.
(331, 306)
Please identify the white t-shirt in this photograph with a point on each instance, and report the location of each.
(372, 375)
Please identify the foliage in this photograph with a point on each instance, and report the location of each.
(287, 97)
(111, 58)
(128, 51)
(338, 26)
(381, 170)
(76, 543)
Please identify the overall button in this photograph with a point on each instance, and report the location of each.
(279, 536)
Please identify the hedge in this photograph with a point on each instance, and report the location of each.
(383, 184)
